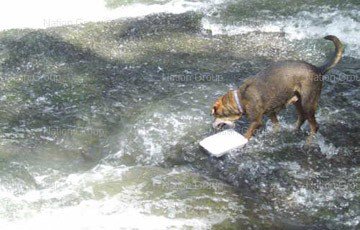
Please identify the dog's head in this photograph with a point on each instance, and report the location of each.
(225, 111)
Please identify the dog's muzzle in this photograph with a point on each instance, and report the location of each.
(220, 124)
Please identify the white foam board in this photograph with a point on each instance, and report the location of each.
(222, 142)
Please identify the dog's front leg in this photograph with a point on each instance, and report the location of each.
(252, 128)
(275, 121)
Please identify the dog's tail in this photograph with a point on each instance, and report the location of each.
(336, 56)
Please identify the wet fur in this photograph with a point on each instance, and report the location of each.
(268, 92)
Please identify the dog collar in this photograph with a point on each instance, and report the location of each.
(237, 100)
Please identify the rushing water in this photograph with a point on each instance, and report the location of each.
(100, 121)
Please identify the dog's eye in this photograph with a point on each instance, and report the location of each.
(213, 111)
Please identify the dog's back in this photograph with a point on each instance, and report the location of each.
(275, 85)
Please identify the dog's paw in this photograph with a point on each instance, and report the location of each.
(296, 128)
(311, 140)
(277, 128)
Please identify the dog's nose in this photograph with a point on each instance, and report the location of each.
(216, 124)
(220, 126)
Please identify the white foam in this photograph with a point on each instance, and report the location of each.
(156, 132)
(326, 148)
(43, 13)
(309, 25)
(105, 197)
(220, 29)
(109, 214)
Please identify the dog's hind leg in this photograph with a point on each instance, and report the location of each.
(314, 126)
(310, 116)
(309, 104)
(301, 115)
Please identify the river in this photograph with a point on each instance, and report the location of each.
(103, 104)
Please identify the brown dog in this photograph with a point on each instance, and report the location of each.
(268, 92)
